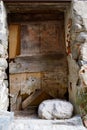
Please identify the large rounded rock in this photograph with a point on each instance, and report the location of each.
(55, 109)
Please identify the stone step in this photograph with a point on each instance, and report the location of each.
(5, 119)
(23, 123)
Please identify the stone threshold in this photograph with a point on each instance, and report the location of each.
(34, 123)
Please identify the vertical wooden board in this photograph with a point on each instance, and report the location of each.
(15, 86)
(31, 83)
(62, 36)
(21, 84)
(30, 43)
(55, 83)
(42, 37)
(14, 41)
(26, 83)
(19, 102)
(49, 37)
(15, 83)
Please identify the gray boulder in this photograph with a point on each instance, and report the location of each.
(55, 109)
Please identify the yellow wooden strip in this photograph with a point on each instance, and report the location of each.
(14, 41)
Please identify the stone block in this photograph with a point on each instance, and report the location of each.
(5, 120)
(55, 109)
(82, 37)
(76, 28)
(3, 75)
(3, 51)
(85, 23)
(80, 7)
(84, 51)
(83, 75)
(3, 95)
(3, 63)
(74, 123)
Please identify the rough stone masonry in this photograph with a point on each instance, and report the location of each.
(3, 56)
(76, 47)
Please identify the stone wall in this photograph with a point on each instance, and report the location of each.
(76, 47)
(3, 56)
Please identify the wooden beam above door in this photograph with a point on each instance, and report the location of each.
(28, 6)
(37, 0)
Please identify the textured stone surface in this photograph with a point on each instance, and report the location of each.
(84, 51)
(4, 101)
(81, 8)
(55, 109)
(82, 37)
(83, 75)
(77, 28)
(3, 75)
(3, 51)
(3, 95)
(77, 56)
(74, 123)
(73, 80)
(5, 120)
(3, 63)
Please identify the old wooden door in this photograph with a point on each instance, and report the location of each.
(37, 62)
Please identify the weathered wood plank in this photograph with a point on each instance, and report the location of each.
(14, 41)
(21, 85)
(42, 63)
(28, 83)
(50, 37)
(43, 96)
(32, 97)
(25, 83)
(19, 103)
(55, 83)
(37, 0)
(51, 62)
(28, 7)
(42, 37)
(42, 15)
(30, 43)
(35, 99)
